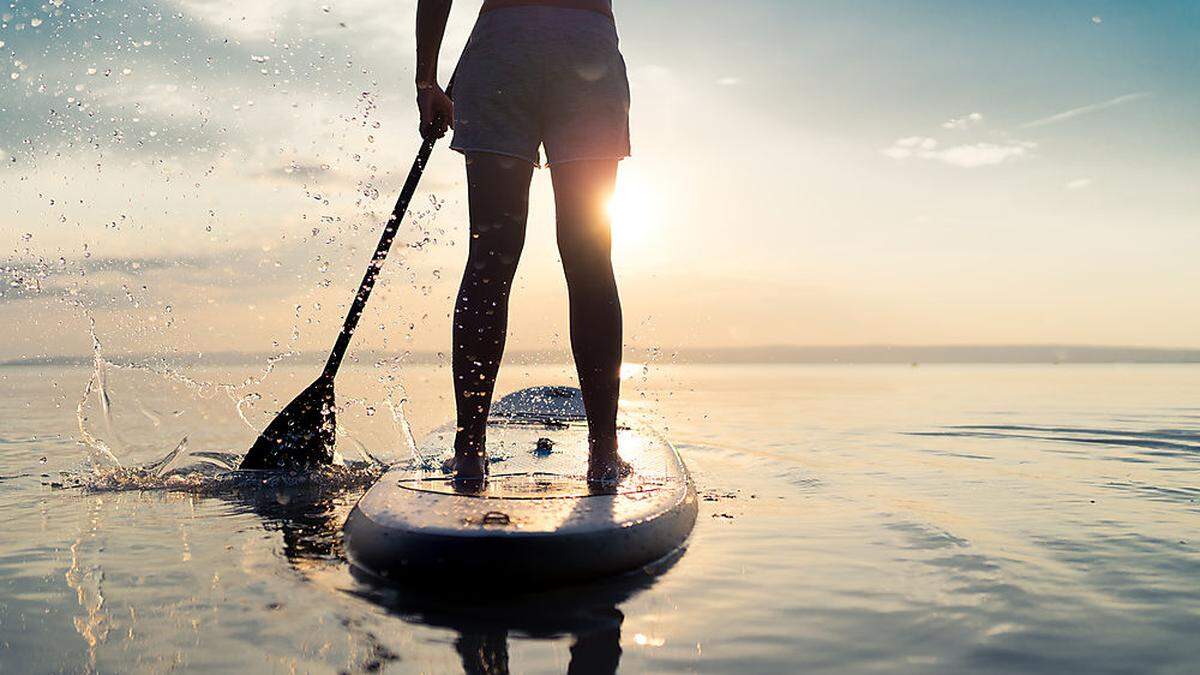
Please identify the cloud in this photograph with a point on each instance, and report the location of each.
(97, 277)
(729, 81)
(964, 122)
(984, 154)
(910, 146)
(969, 155)
(1079, 183)
(1085, 110)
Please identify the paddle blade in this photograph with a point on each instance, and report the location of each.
(301, 435)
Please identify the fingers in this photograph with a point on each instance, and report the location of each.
(435, 128)
(436, 117)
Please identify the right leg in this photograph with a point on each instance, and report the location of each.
(581, 189)
(498, 191)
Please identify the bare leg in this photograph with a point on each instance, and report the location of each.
(498, 189)
(581, 193)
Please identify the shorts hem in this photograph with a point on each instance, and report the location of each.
(491, 151)
(588, 158)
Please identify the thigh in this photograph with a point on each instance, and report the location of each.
(582, 191)
(498, 197)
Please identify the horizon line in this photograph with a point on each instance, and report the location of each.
(865, 353)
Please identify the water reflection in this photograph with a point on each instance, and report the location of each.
(310, 524)
(308, 518)
(588, 615)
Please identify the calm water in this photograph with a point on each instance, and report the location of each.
(854, 518)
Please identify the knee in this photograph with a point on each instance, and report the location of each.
(498, 258)
(494, 254)
(586, 260)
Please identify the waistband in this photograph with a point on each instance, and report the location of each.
(585, 5)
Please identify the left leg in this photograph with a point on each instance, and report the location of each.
(581, 193)
(498, 189)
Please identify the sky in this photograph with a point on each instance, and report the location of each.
(197, 176)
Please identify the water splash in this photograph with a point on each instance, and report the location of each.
(219, 479)
(196, 424)
(97, 385)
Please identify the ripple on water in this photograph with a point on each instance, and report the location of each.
(1143, 446)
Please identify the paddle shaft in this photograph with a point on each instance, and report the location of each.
(381, 252)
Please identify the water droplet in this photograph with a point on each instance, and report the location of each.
(35, 22)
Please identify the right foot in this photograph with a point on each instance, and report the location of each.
(470, 466)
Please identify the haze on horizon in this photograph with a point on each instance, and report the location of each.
(210, 175)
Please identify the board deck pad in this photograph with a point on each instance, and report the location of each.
(536, 461)
(536, 516)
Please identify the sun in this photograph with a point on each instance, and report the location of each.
(633, 208)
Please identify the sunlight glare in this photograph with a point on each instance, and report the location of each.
(633, 207)
(629, 370)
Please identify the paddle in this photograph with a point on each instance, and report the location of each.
(302, 434)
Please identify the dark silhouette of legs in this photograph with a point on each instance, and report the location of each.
(498, 189)
(598, 652)
(483, 653)
(499, 205)
(581, 193)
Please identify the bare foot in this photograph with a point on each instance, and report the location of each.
(607, 468)
(470, 466)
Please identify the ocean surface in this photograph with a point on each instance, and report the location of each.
(931, 519)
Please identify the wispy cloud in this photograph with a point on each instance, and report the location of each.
(1079, 183)
(964, 122)
(984, 154)
(967, 155)
(1086, 110)
(910, 146)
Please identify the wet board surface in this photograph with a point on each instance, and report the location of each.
(537, 519)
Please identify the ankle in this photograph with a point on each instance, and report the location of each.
(602, 446)
(468, 443)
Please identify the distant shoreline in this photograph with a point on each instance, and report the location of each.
(850, 354)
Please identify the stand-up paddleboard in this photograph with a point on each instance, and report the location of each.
(536, 520)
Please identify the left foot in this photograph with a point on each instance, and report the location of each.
(607, 468)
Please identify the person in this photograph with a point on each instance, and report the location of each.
(533, 73)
